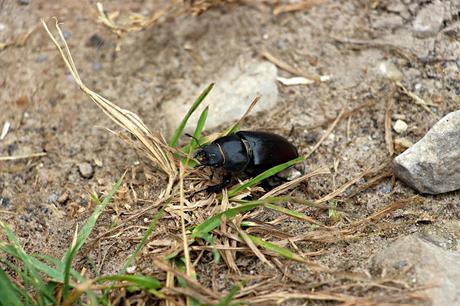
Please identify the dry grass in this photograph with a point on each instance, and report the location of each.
(137, 22)
(229, 226)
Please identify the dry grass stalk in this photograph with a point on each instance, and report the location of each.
(281, 297)
(136, 23)
(372, 182)
(327, 133)
(25, 156)
(188, 266)
(154, 146)
(388, 114)
(390, 208)
(200, 6)
(376, 43)
(347, 114)
(190, 281)
(415, 98)
(251, 244)
(299, 6)
(228, 254)
(342, 188)
(19, 41)
(288, 185)
(190, 293)
(287, 67)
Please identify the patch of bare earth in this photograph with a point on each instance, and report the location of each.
(44, 198)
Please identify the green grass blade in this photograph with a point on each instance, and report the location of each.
(141, 281)
(230, 295)
(84, 234)
(199, 128)
(9, 291)
(60, 267)
(30, 273)
(148, 232)
(281, 251)
(266, 174)
(213, 222)
(180, 129)
(182, 283)
(196, 135)
(292, 213)
(58, 272)
(204, 228)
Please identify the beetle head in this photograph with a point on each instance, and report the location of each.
(210, 155)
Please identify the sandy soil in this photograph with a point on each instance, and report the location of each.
(44, 198)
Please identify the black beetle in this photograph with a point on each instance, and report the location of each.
(251, 152)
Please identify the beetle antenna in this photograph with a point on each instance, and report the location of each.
(194, 138)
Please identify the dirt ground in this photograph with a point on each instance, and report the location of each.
(43, 198)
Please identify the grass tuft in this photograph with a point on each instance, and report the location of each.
(229, 226)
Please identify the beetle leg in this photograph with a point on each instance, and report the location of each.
(225, 182)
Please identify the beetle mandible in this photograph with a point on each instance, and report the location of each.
(251, 152)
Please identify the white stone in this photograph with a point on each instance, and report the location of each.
(400, 126)
(389, 71)
(235, 88)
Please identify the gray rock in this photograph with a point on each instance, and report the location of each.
(432, 165)
(433, 266)
(429, 20)
(232, 94)
(86, 170)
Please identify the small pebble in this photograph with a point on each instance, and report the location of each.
(131, 270)
(63, 198)
(389, 71)
(52, 101)
(398, 116)
(311, 138)
(96, 66)
(83, 202)
(280, 44)
(24, 2)
(385, 187)
(86, 170)
(402, 144)
(25, 218)
(5, 202)
(41, 58)
(11, 148)
(95, 41)
(66, 34)
(289, 174)
(400, 126)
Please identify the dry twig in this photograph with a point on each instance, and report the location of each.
(388, 114)
(299, 6)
